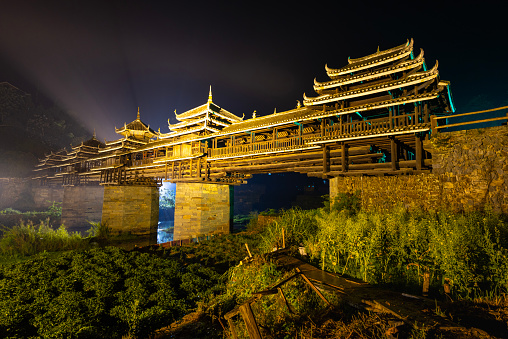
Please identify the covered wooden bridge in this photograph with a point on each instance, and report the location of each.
(371, 117)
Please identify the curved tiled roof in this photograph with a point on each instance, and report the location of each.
(380, 53)
(267, 121)
(136, 127)
(383, 87)
(371, 62)
(371, 75)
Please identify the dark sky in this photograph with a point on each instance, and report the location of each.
(101, 60)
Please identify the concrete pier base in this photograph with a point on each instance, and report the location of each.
(131, 209)
(202, 209)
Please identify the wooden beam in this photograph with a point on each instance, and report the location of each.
(326, 159)
(359, 150)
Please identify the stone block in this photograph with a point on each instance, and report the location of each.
(131, 209)
(208, 209)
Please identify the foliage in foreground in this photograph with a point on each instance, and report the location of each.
(277, 319)
(396, 247)
(28, 239)
(99, 293)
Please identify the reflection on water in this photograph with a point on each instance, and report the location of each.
(165, 231)
(164, 234)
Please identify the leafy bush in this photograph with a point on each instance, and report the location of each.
(397, 247)
(98, 293)
(99, 230)
(351, 203)
(167, 198)
(270, 212)
(9, 210)
(299, 226)
(28, 239)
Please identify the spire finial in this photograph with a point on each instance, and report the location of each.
(138, 113)
(210, 94)
(94, 135)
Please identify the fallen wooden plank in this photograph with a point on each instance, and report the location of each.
(410, 309)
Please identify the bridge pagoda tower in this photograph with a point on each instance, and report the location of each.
(391, 91)
(131, 204)
(201, 206)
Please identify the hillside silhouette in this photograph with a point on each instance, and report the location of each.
(31, 128)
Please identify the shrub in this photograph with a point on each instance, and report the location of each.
(397, 247)
(100, 293)
(28, 239)
(99, 230)
(350, 202)
(299, 226)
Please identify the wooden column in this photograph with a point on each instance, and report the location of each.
(433, 124)
(418, 152)
(250, 321)
(326, 157)
(344, 157)
(394, 154)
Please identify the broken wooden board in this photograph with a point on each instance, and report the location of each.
(410, 309)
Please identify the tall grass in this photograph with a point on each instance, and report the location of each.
(299, 225)
(396, 247)
(28, 239)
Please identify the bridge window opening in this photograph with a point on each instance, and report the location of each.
(166, 212)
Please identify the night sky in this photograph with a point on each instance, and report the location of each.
(101, 60)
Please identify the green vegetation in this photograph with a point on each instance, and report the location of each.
(396, 247)
(167, 198)
(54, 211)
(99, 230)
(105, 291)
(29, 239)
(10, 217)
(99, 293)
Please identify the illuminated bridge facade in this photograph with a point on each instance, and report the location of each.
(371, 117)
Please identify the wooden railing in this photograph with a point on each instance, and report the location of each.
(258, 147)
(142, 162)
(435, 119)
(196, 150)
(374, 126)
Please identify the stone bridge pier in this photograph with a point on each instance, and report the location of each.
(203, 209)
(134, 209)
(131, 209)
(80, 205)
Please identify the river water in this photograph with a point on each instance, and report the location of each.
(165, 231)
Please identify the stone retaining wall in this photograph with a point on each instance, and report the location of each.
(470, 172)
